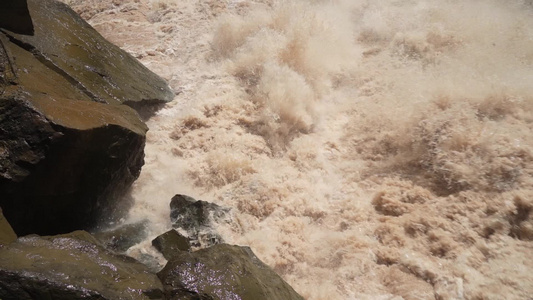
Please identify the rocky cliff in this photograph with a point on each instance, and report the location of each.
(70, 146)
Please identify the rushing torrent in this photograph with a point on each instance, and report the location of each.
(368, 149)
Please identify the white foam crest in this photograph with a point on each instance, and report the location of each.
(287, 62)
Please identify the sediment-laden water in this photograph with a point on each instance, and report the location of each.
(369, 149)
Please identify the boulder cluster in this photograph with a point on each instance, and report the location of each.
(71, 144)
(78, 265)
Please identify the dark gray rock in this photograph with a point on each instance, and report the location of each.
(171, 242)
(189, 213)
(72, 266)
(223, 272)
(196, 217)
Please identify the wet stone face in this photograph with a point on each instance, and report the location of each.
(197, 217)
(72, 142)
(171, 243)
(71, 265)
(224, 272)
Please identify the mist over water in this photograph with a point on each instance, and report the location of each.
(368, 149)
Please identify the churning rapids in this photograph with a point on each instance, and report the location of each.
(368, 149)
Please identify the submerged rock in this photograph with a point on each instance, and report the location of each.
(170, 243)
(72, 266)
(223, 272)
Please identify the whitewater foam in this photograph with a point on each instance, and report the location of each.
(368, 149)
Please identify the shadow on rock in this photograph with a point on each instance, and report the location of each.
(70, 146)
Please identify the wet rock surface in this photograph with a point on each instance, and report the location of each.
(65, 43)
(66, 163)
(195, 217)
(71, 144)
(217, 270)
(69, 149)
(170, 243)
(77, 266)
(223, 272)
(72, 266)
(191, 214)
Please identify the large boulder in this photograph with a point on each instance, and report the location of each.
(67, 44)
(65, 163)
(69, 148)
(223, 272)
(72, 266)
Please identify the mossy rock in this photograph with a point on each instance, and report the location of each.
(72, 266)
(66, 44)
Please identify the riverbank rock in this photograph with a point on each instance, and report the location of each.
(72, 266)
(69, 147)
(63, 163)
(67, 44)
(223, 272)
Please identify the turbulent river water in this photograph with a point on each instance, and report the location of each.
(368, 149)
